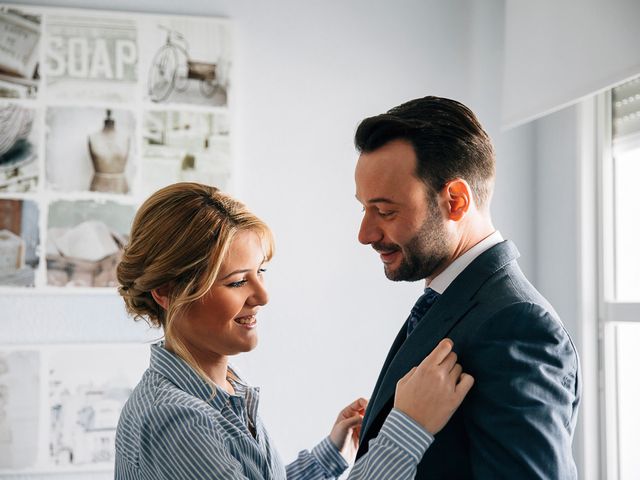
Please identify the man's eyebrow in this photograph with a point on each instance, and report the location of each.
(381, 200)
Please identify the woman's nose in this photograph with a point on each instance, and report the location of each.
(260, 295)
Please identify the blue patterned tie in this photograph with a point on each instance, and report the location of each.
(423, 304)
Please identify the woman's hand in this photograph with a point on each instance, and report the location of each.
(433, 390)
(345, 434)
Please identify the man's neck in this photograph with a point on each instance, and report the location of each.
(441, 282)
(469, 240)
(470, 236)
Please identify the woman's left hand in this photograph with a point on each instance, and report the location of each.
(345, 434)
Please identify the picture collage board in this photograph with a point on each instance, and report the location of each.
(97, 111)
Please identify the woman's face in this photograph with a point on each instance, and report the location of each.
(224, 321)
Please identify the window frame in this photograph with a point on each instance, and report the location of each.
(610, 312)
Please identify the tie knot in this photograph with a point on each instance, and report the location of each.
(425, 301)
(423, 304)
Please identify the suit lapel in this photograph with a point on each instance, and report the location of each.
(397, 343)
(451, 307)
(432, 328)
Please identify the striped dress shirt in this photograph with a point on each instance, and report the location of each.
(172, 427)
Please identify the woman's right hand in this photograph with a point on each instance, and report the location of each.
(433, 390)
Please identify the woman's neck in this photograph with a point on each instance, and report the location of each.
(216, 370)
(215, 366)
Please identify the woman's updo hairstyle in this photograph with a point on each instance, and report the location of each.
(179, 239)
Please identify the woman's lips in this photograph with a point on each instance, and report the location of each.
(248, 321)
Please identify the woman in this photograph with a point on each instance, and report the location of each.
(194, 266)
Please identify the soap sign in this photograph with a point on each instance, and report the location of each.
(92, 57)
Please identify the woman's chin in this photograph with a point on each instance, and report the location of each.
(246, 346)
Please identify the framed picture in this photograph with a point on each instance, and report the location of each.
(59, 405)
(97, 111)
(187, 146)
(19, 169)
(91, 56)
(186, 61)
(20, 35)
(19, 242)
(90, 149)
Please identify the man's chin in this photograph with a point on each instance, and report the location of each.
(403, 273)
(393, 274)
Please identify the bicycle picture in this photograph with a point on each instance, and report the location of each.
(172, 69)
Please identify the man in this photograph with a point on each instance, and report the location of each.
(425, 178)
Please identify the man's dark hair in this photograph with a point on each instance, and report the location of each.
(447, 138)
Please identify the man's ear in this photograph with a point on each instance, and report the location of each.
(459, 198)
(161, 296)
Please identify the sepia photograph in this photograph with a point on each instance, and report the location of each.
(89, 149)
(183, 147)
(85, 239)
(19, 242)
(91, 57)
(20, 34)
(19, 169)
(186, 60)
(20, 374)
(88, 386)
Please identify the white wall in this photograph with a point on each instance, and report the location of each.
(566, 267)
(333, 314)
(556, 211)
(305, 74)
(513, 202)
(558, 239)
(559, 52)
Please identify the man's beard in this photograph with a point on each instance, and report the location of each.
(421, 255)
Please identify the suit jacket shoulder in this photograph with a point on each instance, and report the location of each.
(518, 419)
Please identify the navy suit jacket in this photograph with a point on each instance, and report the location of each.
(517, 421)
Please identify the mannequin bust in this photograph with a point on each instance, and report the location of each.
(109, 150)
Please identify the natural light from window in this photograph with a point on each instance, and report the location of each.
(620, 278)
(627, 225)
(628, 359)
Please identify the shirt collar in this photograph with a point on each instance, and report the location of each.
(444, 279)
(180, 373)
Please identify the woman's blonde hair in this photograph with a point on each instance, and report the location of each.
(179, 239)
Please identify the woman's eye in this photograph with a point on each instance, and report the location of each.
(261, 271)
(385, 214)
(237, 284)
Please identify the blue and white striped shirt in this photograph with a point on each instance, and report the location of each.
(173, 428)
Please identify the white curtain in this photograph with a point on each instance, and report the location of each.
(560, 51)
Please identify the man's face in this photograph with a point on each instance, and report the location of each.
(400, 221)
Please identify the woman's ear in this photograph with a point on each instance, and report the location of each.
(161, 296)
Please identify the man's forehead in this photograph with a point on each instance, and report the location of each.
(383, 183)
(377, 200)
(390, 162)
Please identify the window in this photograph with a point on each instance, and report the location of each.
(619, 227)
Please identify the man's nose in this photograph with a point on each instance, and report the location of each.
(369, 231)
